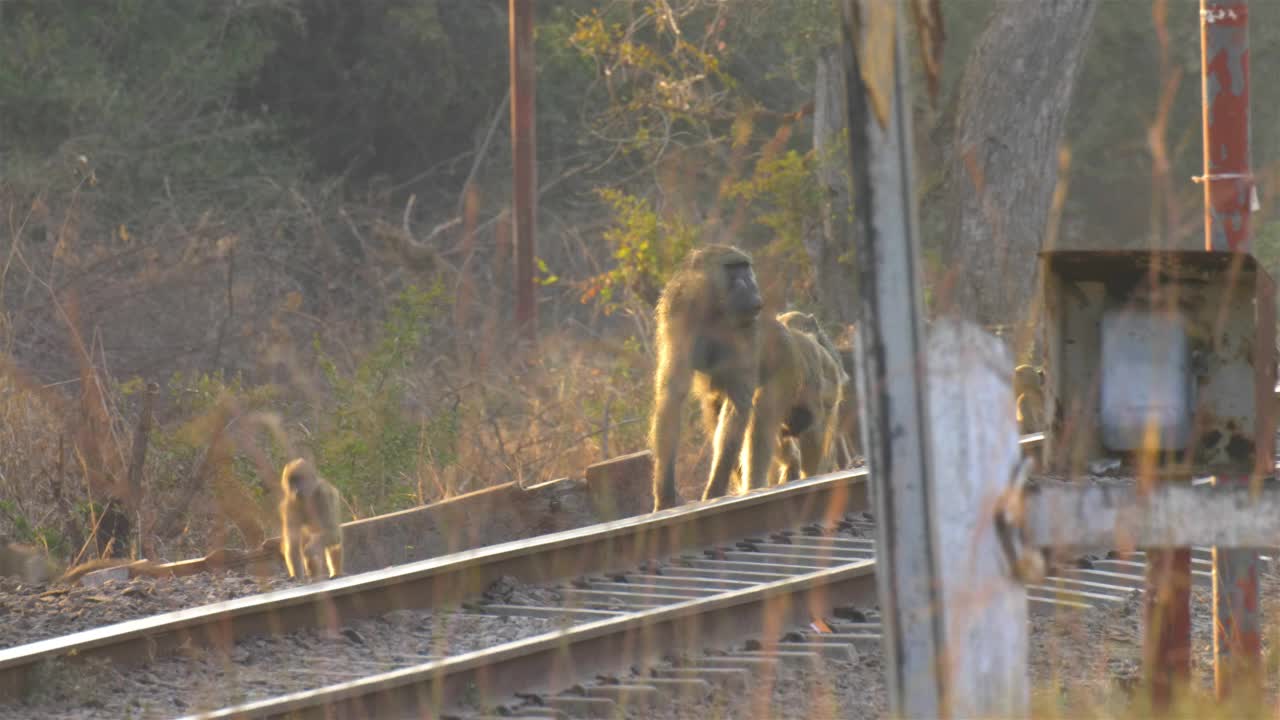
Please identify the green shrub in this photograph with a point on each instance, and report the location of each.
(647, 248)
(369, 445)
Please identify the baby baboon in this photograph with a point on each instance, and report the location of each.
(743, 368)
(310, 520)
(821, 393)
(28, 563)
(1028, 388)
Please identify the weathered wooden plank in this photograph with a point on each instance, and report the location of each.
(1079, 517)
(976, 439)
(891, 362)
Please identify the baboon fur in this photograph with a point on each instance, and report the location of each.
(823, 387)
(27, 563)
(310, 520)
(1028, 388)
(848, 443)
(744, 368)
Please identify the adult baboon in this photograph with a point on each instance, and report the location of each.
(311, 521)
(821, 393)
(742, 367)
(846, 442)
(1028, 388)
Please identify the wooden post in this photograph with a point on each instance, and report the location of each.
(138, 460)
(975, 437)
(1092, 518)
(955, 633)
(525, 169)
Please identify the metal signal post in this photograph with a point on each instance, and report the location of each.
(524, 157)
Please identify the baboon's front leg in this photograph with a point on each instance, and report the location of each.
(289, 545)
(843, 455)
(333, 554)
(671, 388)
(312, 559)
(789, 459)
(727, 448)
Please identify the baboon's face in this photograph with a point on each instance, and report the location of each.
(742, 294)
(297, 482)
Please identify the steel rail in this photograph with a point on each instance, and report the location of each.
(447, 580)
(558, 659)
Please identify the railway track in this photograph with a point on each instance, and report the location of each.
(734, 598)
(449, 581)
(745, 574)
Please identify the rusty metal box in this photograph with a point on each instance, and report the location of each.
(1223, 302)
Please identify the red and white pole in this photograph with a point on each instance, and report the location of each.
(1228, 202)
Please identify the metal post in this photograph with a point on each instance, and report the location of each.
(1228, 197)
(525, 181)
(891, 368)
(1167, 619)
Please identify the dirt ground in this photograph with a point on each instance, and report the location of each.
(36, 612)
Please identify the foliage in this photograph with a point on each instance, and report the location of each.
(647, 248)
(137, 88)
(659, 83)
(25, 531)
(366, 442)
(784, 193)
(1266, 248)
(383, 87)
(195, 394)
(683, 93)
(678, 74)
(283, 130)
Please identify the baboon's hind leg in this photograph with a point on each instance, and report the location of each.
(813, 456)
(789, 459)
(333, 557)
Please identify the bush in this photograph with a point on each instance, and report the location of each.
(366, 442)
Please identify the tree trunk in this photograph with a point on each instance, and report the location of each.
(831, 250)
(1012, 114)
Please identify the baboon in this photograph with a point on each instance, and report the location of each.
(28, 563)
(848, 443)
(310, 521)
(1028, 388)
(824, 380)
(743, 368)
